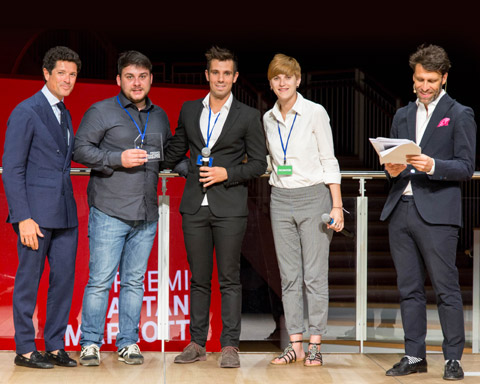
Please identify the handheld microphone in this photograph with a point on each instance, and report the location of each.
(328, 220)
(205, 161)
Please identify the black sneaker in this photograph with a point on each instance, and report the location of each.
(130, 354)
(453, 370)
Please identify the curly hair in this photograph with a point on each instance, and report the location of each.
(60, 53)
(431, 57)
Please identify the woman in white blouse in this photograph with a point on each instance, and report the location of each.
(305, 182)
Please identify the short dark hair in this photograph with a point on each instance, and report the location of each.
(431, 57)
(133, 58)
(60, 53)
(220, 54)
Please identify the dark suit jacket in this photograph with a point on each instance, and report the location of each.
(36, 166)
(452, 145)
(242, 134)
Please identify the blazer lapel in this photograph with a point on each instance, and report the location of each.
(412, 122)
(441, 109)
(51, 122)
(198, 115)
(233, 114)
(71, 141)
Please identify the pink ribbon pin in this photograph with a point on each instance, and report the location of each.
(444, 122)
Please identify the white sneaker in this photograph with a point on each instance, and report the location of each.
(130, 354)
(90, 355)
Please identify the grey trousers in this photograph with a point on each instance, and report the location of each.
(302, 243)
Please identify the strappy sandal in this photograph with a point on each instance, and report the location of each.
(288, 355)
(314, 357)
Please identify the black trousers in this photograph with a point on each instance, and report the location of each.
(203, 233)
(418, 247)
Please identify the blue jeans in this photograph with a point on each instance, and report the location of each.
(115, 244)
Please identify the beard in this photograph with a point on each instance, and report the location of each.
(429, 98)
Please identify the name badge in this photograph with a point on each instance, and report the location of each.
(284, 170)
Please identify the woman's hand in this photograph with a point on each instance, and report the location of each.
(337, 215)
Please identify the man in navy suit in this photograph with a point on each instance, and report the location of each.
(424, 210)
(219, 132)
(42, 209)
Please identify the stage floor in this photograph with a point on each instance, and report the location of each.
(339, 368)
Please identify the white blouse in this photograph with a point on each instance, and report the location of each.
(310, 147)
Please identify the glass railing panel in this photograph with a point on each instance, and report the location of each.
(263, 326)
(384, 323)
(262, 321)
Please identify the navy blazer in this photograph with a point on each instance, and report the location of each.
(36, 166)
(450, 139)
(242, 134)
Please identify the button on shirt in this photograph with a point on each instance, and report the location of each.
(216, 125)
(105, 132)
(422, 120)
(310, 148)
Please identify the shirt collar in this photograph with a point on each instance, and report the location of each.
(434, 103)
(297, 108)
(227, 105)
(127, 103)
(52, 100)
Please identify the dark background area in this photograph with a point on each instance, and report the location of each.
(374, 36)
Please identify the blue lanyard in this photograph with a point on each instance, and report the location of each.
(288, 139)
(142, 135)
(209, 132)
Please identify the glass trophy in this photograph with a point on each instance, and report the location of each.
(153, 144)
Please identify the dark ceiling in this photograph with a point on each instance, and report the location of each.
(374, 36)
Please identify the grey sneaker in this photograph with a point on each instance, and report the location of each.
(90, 355)
(131, 355)
(230, 358)
(192, 352)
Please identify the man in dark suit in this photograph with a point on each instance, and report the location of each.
(424, 210)
(42, 209)
(218, 131)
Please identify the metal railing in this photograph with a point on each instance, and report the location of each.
(362, 259)
(361, 254)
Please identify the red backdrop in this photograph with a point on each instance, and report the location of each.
(86, 93)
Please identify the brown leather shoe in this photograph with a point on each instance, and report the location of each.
(192, 352)
(230, 358)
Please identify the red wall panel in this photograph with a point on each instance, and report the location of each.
(85, 94)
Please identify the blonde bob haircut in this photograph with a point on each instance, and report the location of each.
(283, 65)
